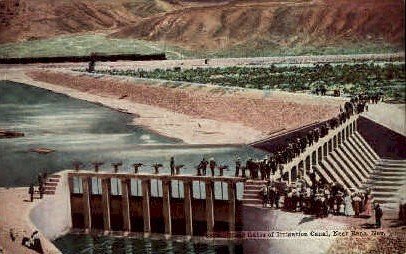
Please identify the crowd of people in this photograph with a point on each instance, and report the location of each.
(320, 200)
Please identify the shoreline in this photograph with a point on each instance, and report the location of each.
(190, 130)
(16, 215)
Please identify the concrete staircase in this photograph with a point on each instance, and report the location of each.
(252, 193)
(388, 182)
(50, 184)
(351, 163)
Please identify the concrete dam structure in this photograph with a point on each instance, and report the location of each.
(191, 205)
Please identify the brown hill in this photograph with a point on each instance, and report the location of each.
(26, 19)
(22, 20)
(264, 23)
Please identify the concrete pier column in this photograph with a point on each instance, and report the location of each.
(166, 206)
(146, 193)
(187, 186)
(87, 213)
(106, 203)
(231, 208)
(290, 175)
(305, 162)
(126, 187)
(210, 206)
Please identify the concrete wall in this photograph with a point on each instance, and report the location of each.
(385, 142)
(221, 208)
(52, 216)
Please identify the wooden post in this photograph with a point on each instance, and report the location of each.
(126, 187)
(166, 206)
(231, 208)
(209, 207)
(106, 203)
(145, 206)
(87, 213)
(187, 186)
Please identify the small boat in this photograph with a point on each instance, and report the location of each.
(41, 150)
(10, 134)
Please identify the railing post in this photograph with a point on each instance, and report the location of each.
(209, 207)
(187, 185)
(166, 206)
(106, 203)
(126, 187)
(146, 206)
(87, 213)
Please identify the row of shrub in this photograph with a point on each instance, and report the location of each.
(387, 79)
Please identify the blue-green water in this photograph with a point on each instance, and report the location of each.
(83, 131)
(87, 132)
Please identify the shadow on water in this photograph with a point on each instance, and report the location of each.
(73, 243)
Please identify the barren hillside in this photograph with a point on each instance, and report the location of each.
(221, 25)
(275, 23)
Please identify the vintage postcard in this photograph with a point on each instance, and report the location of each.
(202, 126)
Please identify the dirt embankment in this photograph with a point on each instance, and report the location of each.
(265, 115)
(276, 23)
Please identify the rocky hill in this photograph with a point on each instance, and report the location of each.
(211, 25)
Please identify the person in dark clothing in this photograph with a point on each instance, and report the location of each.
(204, 166)
(212, 165)
(277, 198)
(172, 165)
(41, 191)
(31, 192)
(237, 166)
(378, 215)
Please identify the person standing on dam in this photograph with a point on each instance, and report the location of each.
(212, 165)
(31, 192)
(237, 166)
(378, 215)
(172, 165)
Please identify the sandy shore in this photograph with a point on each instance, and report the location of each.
(194, 114)
(192, 130)
(14, 214)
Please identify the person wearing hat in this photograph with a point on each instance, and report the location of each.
(237, 166)
(378, 215)
(212, 165)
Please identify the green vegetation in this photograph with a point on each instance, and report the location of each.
(388, 79)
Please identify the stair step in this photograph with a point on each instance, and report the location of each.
(53, 180)
(251, 191)
(383, 195)
(249, 195)
(252, 188)
(51, 184)
(390, 174)
(385, 189)
(49, 192)
(387, 200)
(251, 201)
(386, 183)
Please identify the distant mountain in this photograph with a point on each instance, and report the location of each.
(275, 24)
(211, 25)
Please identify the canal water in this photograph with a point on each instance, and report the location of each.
(82, 131)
